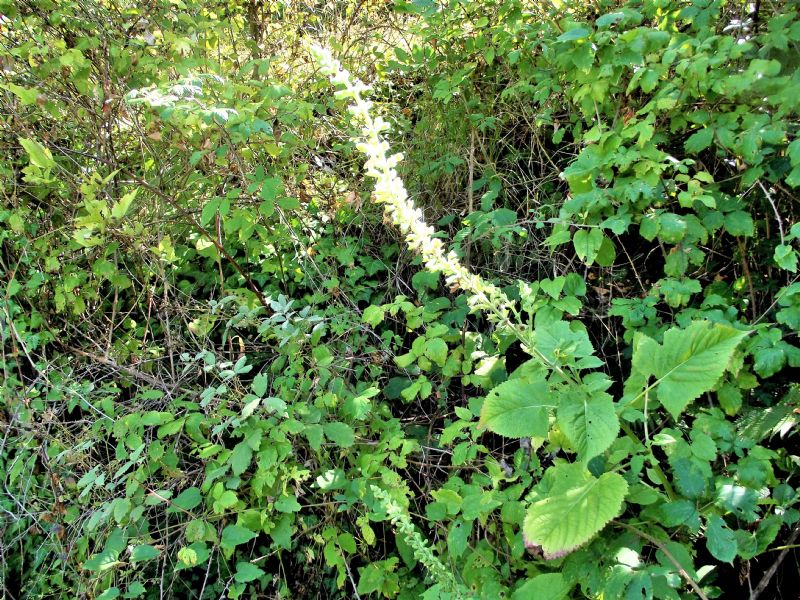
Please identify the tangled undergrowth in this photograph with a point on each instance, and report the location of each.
(227, 375)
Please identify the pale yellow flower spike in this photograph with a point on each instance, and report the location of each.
(400, 209)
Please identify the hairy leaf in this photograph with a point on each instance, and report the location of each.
(590, 423)
(689, 362)
(576, 507)
(518, 408)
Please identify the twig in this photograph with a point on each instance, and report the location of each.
(350, 576)
(748, 277)
(104, 360)
(660, 545)
(765, 579)
(774, 209)
(470, 192)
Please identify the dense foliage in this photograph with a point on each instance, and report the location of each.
(226, 374)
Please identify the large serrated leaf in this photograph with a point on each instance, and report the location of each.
(518, 408)
(590, 422)
(689, 362)
(575, 508)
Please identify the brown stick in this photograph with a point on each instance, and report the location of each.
(765, 579)
(104, 360)
(210, 236)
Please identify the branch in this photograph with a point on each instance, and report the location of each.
(660, 545)
(767, 577)
(109, 362)
(212, 238)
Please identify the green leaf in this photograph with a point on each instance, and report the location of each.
(649, 226)
(195, 530)
(38, 154)
(121, 207)
(188, 498)
(153, 417)
(672, 228)
(287, 504)
(143, 552)
(590, 422)
(246, 572)
(260, 384)
(607, 253)
(347, 542)
(739, 222)
(517, 408)
(575, 508)
(289, 203)
(377, 577)
(226, 500)
(281, 534)
(340, 434)
(785, 257)
(457, 538)
(27, 96)
(240, 458)
(578, 33)
(548, 586)
(209, 211)
(689, 362)
(425, 280)
(699, 140)
(691, 476)
(560, 343)
(587, 244)
(235, 535)
(109, 594)
(436, 350)
(373, 315)
(720, 540)
(793, 178)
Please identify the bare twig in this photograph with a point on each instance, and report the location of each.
(774, 209)
(110, 362)
(767, 577)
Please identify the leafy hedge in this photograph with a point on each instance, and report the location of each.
(225, 375)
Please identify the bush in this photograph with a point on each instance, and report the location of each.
(225, 375)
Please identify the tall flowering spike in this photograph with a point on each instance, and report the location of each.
(390, 191)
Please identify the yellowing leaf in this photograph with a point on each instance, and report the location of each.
(38, 154)
(576, 507)
(120, 208)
